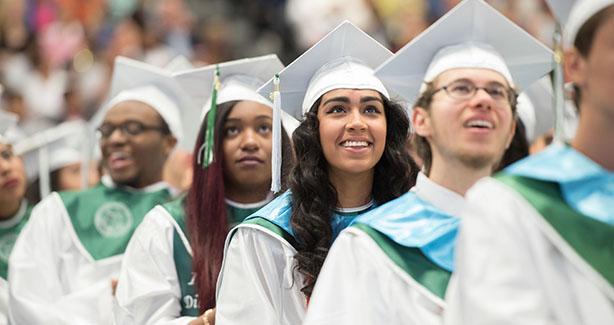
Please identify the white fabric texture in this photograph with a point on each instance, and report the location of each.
(257, 284)
(360, 284)
(148, 290)
(53, 280)
(512, 267)
(4, 302)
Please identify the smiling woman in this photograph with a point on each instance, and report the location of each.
(350, 157)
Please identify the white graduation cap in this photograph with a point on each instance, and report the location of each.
(178, 64)
(52, 149)
(238, 81)
(579, 14)
(561, 9)
(471, 35)
(137, 81)
(344, 58)
(7, 122)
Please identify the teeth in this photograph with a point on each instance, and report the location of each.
(350, 143)
(480, 123)
(118, 155)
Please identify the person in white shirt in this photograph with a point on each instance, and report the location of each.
(392, 266)
(537, 243)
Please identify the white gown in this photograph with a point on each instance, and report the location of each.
(53, 278)
(514, 268)
(148, 290)
(257, 283)
(360, 284)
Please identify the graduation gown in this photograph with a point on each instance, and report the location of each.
(372, 275)
(258, 282)
(62, 264)
(9, 230)
(156, 283)
(537, 245)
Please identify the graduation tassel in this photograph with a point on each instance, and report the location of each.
(207, 147)
(276, 152)
(558, 86)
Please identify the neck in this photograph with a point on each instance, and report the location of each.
(353, 190)
(247, 195)
(456, 176)
(9, 209)
(594, 137)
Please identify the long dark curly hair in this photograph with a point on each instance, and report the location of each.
(314, 198)
(206, 220)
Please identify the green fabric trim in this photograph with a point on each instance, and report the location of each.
(182, 257)
(412, 261)
(105, 218)
(8, 237)
(262, 222)
(593, 240)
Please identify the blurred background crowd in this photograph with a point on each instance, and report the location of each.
(56, 56)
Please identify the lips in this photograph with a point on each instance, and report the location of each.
(119, 160)
(11, 183)
(250, 161)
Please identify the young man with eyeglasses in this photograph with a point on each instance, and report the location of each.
(537, 246)
(393, 265)
(67, 257)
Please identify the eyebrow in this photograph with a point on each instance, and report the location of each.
(259, 117)
(490, 83)
(347, 100)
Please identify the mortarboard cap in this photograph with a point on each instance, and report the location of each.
(581, 12)
(471, 35)
(7, 122)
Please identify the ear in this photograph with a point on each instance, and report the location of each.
(169, 144)
(421, 121)
(575, 67)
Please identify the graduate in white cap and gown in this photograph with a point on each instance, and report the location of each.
(350, 157)
(537, 243)
(171, 264)
(393, 265)
(15, 210)
(66, 258)
(54, 160)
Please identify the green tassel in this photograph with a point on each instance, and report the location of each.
(210, 133)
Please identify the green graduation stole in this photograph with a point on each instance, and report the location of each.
(182, 257)
(412, 261)
(8, 236)
(593, 240)
(105, 218)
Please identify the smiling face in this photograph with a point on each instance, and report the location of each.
(352, 127)
(247, 146)
(474, 131)
(135, 160)
(12, 176)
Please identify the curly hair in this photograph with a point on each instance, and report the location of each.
(206, 220)
(314, 198)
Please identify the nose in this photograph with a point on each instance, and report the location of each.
(249, 141)
(356, 122)
(481, 99)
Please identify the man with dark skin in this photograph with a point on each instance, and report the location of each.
(66, 259)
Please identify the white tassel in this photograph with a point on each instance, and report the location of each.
(558, 85)
(44, 181)
(276, 152)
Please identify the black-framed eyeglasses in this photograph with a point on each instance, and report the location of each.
(131, 128)
(465, 89)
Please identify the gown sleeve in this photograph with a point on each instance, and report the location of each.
(257, 284)
(148, 290)
(38, 292)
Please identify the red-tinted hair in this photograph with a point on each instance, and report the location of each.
(206, 213)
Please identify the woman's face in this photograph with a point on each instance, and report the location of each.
(69, 177)
(247, 146)
(12, 176)
(352, 129)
